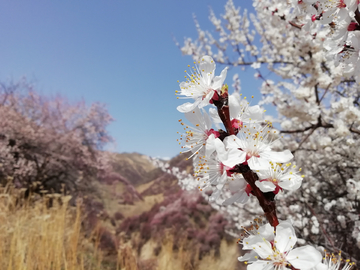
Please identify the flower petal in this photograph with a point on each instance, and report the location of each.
(238, 183)
(233, 142)
(265, 186)
(207, 68)
(304, 257)
(240, 197)
(267, 231)
(282, 157)
(219, 80)
(206, 100)
(195, 116)
(215, 144)
(187, 107)
(234, 105)
(256, 113)
(234, 157)
(293, 184)
(249, 257)
(260, 265)
(256, 163)
(285, 238)
(261, 246)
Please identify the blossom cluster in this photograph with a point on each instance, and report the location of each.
(219, 155)
(341, 20)
(268, 247)
(318, 113)
(240, 159)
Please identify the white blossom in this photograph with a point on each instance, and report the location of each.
(280, 252)
(200, 84)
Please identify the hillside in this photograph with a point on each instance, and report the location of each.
(162, 227)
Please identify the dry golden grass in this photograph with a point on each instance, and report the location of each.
(36, 237)
(186, 259)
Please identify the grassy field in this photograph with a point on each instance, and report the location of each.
(34, 236)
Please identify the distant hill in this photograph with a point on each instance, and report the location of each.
(153, 212)
(136, 168)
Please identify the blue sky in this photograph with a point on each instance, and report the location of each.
(120, 53)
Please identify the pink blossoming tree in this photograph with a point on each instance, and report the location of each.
(51, 145)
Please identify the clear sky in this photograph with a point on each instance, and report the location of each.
(117, 52)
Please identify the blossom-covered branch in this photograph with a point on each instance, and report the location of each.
(316, 97)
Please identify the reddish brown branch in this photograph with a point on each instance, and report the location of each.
(224, 113)
(355, 130)
(295, 25)
(266, 200)
(357, 16)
